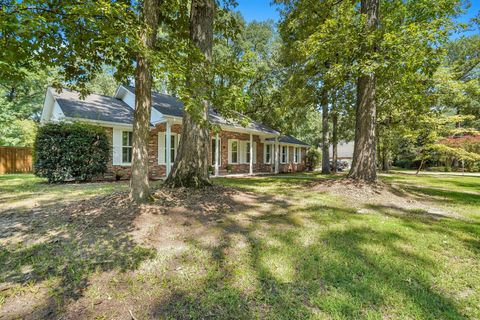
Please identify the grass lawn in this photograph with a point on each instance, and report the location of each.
(283, 247)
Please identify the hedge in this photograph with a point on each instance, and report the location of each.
(70, 152)
(313, 158)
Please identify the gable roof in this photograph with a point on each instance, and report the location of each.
(289, 140)
(111, 109)
(171, 106)
(93, 107)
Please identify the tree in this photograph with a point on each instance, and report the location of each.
(325, 144)
(317, 38)
(104, 82)
(21, 101)
(191, 163)
(80, 38)
(364, 154)
(405, 46)
(139, 182)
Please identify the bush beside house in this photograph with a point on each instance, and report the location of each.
(70, 152)
(313, 158)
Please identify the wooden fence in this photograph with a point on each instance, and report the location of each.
(15, 159)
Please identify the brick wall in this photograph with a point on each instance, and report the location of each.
(158, 171)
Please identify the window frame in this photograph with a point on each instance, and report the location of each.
(248, 156)
(173, 147)
(230, 151)
(297, 155)
(127, 146)
(269, 147)
(282, 154)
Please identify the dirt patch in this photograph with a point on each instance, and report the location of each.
(380, 196)
(91, 240)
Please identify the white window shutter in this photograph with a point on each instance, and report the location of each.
(178, 139)
(229, 151)
(254, 152)
(241, 151)
(265, 153)
(161, 148)
(117, 147)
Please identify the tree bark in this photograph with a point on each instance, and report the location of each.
(364, 154)
(420, 166)
(325, 144)
(139, 184)
(385, 159)
(191, 163)
(334, 138)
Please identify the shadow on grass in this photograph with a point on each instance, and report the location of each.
(450, 196)
(270, 259)
(66, 246)
(307, 267)
(463, 230)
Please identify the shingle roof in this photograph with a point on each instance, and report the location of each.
(111, 109)
(171, 106)
(93, 107)
(289, 139)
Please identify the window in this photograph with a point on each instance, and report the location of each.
(126, 146)
(233, 151)
(214, 147)
(247, 152)
(173, 148)
(284, 156)
(267, 154)
(297, 155)
(162, 147)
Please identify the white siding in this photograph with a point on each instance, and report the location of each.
(344, 149)
(47, 107)
(57, 113)
(129, 98)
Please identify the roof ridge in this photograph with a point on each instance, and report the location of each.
(93, 93)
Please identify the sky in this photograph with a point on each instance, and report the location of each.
(257, 10)
(262, 10)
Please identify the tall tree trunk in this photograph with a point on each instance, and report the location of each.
(385, 159)
(364, 154)
(334, 138)
(139, 184)
(325, 144)
(191, 163)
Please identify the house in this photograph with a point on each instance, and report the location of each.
(254, 148)
(344, 151)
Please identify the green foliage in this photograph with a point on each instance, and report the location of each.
(313, 158)
(20, 133)
(21, 101)
(104, 82)
(70, 151)
(403, 163)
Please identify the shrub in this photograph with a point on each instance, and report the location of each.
(312, 157)
(403, 163)
(70, 151)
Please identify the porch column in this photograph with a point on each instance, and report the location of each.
(217, 155)
(168, 147)
(251, 154)
(277, 156)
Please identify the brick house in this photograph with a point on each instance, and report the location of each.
(254, 148)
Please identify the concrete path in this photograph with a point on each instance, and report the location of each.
(465, 174)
